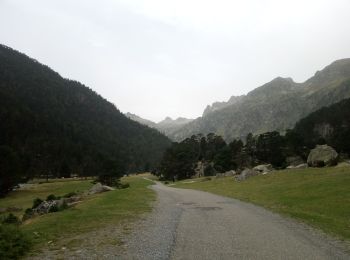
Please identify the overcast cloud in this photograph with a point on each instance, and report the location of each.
(158, 58)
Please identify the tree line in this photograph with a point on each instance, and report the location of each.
(329, 125)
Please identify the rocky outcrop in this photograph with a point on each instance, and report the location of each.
(263, 168)
(204, 169)
(230, 173)
(294, 160)
(246, 173)
(99, 188)
(47, 206)
(278, 104)
(322, 155)
(220, 105)
(199, 170)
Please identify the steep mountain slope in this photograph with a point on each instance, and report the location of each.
(277, 105)
(55, 125)
(220, 105)
(141, 120)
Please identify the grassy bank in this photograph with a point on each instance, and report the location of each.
(320, 197)
(95, 211)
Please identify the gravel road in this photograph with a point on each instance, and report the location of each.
(189, 224)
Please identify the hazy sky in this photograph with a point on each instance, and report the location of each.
(158, 58)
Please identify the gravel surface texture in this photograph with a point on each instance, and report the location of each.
(189, 224)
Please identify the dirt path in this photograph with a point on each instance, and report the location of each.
(189, 224)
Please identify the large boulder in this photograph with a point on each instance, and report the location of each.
(246, 173)
(263, 168)
(99, 188)
(322, 155)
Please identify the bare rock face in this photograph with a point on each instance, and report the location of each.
(263, 168)
(246, 173)
(322, 155)
(99, 188)
(199, 170)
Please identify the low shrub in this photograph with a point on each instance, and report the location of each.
(28, 213)
(13, 243)
(70, 194)
(54, 208)
(36, 202)
(11, 219)
(52, 197)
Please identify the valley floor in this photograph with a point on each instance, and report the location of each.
(190, 224)
(194, 224)
(92, 228)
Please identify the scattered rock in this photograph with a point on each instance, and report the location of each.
(46, 207)
(300, 166)
(322, 155)
(343, 164)
(72, 200)
(263, 168)
(99, 188)
(230, 173)
(294, 160)
(246, 173)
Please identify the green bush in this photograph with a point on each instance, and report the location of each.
(54, 208)
(36, 202)
(11, 219)
(13, 243)
(52, 197)
(27, 214)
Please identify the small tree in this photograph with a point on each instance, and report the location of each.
(112, 170)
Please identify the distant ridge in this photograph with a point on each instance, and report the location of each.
(276, 105)
(167, 126)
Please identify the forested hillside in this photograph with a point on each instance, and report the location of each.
(55, 126)
(275, 106)
(329, 125)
